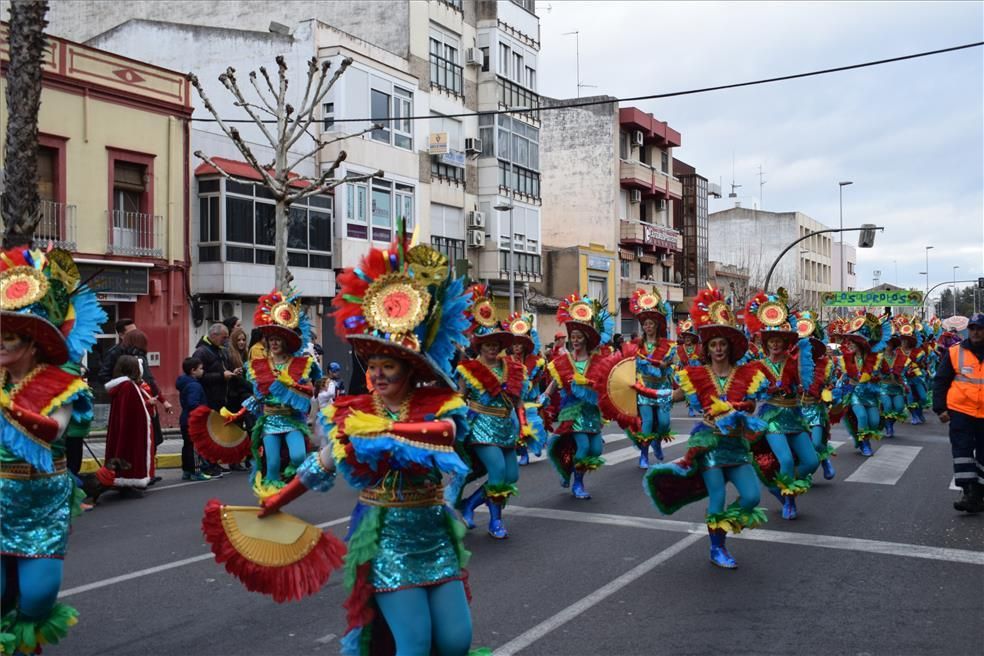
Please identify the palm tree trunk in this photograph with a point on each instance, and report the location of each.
(20, 204)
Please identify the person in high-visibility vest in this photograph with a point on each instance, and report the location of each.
(958, 398)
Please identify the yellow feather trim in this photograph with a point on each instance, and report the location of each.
(261, 490)
(757, 380)
(337, 448)
(827, 396)
(581, 380)
(306, 374)
(363, 423)
(726, 525)
(552, 370)
(865, 378)
(226, 412)
(685, 383)
(74, 388)
(451, 404)
(467, 375)
(719, 407)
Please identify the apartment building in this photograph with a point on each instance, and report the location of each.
(113, 167)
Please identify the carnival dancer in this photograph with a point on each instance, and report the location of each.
(862, 340)
(282, 386)
(48, 319)
(577, 445)
(817, 376)
(493, 386)
(404, 567)
(895, 368)
(526, 349)
(787, 436)
(910, 333)
(724, 394)
(654, 367)
(687, 350)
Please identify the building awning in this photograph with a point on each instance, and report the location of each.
(242, 170)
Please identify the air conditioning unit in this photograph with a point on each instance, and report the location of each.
(660, 204)
(666, 259)
(225, 308)
(639, 252)
(474, 57)
(473, 145)
(638, 138)
(476, 219)
(635, 196)
(476, 238)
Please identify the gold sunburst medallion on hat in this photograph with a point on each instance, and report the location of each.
(581, 311)
(772, 314)
(285, 314)
(429, 267)
(21, 286)
(720, 313)
(805, 327)
(519, 326)
(394, 304)
(855, 324)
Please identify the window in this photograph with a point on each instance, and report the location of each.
(530, 78)
(525, 228)
(47, 177)
(623, 144)
(518, 150)
(486, 132)
(525, 4)
(665, 162)
(356, 214)
(391, 106)
(382, 203)
(328, 115)
(505, 58)
(598, 287)
(517, 68)
(485, 59)
(447, 221)
(134, 229)
(625, 268)
(446, 71)
(250, 226)
(454, 4)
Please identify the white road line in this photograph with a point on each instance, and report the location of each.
(159, 568)
(525, 639)
(763, 535)
(887, 466)
(326, 639)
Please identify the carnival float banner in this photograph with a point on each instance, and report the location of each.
(893, 298)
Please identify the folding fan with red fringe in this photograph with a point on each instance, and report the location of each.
(214, 439)
(615, 376)
(279, 555)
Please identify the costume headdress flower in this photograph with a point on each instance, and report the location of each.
(713, 318)
(520, 324)
(481, 314)
(649, 304)
(768, 314)
(867, 330)
(589, 316)
(41, 296)
(279, 314)
(906, 327)
(685, 327)
(401, 302)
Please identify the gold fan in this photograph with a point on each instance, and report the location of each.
(620, 380)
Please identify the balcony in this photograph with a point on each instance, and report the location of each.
(527, 267)
(654, 130)
(671, 291)
(511, 95)
(135, 234)
(523, 182)
(454, 249)
(446, 76)
(651, 237)
(652, 181)
(57, 225)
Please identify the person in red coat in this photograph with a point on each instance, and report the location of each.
(130, 435)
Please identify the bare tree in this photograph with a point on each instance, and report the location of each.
(285, 127)
(20, 205)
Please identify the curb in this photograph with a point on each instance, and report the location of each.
(163, 460)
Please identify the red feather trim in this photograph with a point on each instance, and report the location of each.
(659, 352)
(815, 387)
(751, 317)
(684, 356)
(265, 375)
(608, 409)
(208, 448)
(703, 300)
(788, 375)
(867, 366)
(358, 606)
(295, 581)
(486, 377)
(44, 383)
(898, 365)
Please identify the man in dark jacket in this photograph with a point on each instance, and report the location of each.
(212, 354)
(958, 399)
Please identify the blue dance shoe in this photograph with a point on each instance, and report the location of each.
(789, 507)
(644, 457)
(497, 528)
(866, 447)
(719, 553)
(890, 428)
(658, 449)
(577, 489)
(471, 503)
(828, 469)
(523, 456)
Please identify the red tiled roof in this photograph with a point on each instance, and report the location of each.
(240, 170)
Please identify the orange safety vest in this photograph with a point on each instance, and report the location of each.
(966, 392)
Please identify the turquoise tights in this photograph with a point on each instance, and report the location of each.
(742, 477)
(428, 620)
(868, 417)
(296, 446)
(654, 419)
(589, 445)
(501, 464)
(37, 581)
(784, 445)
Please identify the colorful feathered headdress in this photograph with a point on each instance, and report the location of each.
(280, 314)
(649, 304)
(867, 330)
(520, 325)
(713, 318)
(808, 327)
(905, 326)
(401, 302)
(481, 314)
(41, 296)
(589, 316)
(685, 327)
(769, 313)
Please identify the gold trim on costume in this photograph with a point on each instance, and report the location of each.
(22, 471)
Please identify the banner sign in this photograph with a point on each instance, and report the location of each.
(437, 144)
(893, 298)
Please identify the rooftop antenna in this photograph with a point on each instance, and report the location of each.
(762, 182)
(734, 186)
(577, 62)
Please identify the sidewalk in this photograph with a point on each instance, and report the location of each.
(168, 454)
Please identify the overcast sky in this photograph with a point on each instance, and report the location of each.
(910, 135)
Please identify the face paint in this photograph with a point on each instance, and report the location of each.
(387, 375)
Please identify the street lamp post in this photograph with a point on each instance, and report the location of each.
(927, 269)
(508, 207)
(955, 267)
(840, 193)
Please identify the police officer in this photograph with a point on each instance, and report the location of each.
(958, 398)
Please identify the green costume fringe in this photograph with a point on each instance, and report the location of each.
(28, 635)
(750, 518)
(590, 463)
(78, 496)
(726, 520)
(827, 451)
(501, 492)
(667, 435)
(639, 438)
(364, 544)
(790, 486)
(457, 529)
(868, 434)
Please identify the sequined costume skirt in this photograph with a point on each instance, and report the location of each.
(415, 549)
(587, 420)
(664, 401)
(814, 414)
(493, 431)
(782, 419)
(892, 389)
(722, 450)
(865, 394)
(35, 515)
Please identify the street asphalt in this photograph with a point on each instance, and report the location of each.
(871, 568)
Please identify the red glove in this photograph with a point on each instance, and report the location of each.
(645, 391)
(232, 419)
(41, 427)
(438, 433)
(287, 494)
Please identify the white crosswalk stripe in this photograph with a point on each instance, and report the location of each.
(887, 466)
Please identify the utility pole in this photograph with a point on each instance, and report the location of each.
(762, 182)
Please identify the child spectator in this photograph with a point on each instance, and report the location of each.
(192, 395)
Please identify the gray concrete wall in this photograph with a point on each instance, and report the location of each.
(384, 23)
(752, 239)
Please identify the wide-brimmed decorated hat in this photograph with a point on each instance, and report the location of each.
(589, 316)
(400, 302)
(42, 298)
(767, 315)
(686, 327)
(713, 318)
(865, 330)
(481, 314)
(520, 325)
(906, 327)
(808, 327)
(647, 304)
(279, 314)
